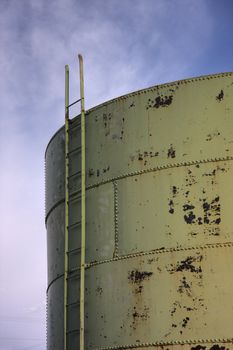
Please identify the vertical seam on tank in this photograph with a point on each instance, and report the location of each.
(116, 226)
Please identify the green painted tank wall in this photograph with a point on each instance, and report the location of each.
(159, 204)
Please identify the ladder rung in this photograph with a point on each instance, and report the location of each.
(74, 303)
(77, 124)
(75, 150)
(73, 276)
(75, 193)
(73, 103)
(75, 174)
(75, 250)
(76, 330)
(73, 273)
(78, 223)
(74, 270)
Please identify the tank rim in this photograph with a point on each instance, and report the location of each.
(144, 90)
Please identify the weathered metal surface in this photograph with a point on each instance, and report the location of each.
(159, 166)
(172, 296)
(185, 206)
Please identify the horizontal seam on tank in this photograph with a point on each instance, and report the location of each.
(158, 168)
(159, 251)
(52, 208)
(160, 86)
(142, 91)
(172, 342)
(54, 280)
(151, 252)
(145, 171)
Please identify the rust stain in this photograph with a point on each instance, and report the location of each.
(99, 290)
(132, 105)
(188, 264)
(171, 206)
(185, 321)
(91, 172)
(184, 287)
(138, 276)
(160, 101)
(220, 96)
(171, 153)
(212, 135)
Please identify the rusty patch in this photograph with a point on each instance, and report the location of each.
(185, 321)
(188, 207)
(184, 287)
(188, 265)
(138, 276)
(198, 347)
(91, 172)
(212, 210)
(171, 206)
(213, 173)
(171, 153)
(161, 101)
(99, 290)
(143, 315)
(174, 191)
(190, 218)
(220, 96)
(213, 135)
(106, 169)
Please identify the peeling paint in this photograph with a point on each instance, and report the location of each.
(138, 276)
(171, 153)
(220, 96)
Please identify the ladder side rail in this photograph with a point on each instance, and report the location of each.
(83, 205)
(66, 238)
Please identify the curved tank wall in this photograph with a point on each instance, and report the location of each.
(159, 173)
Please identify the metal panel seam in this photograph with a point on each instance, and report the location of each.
(116, 226)
(151, 252)
(159, 251)
(174, 342)
(157, 87)
(158, 168)
(152, 88)
(141, 172)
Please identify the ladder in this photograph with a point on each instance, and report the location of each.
(74, 277)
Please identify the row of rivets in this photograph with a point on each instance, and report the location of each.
(174, 342)
(162, 86)
(159, 251)
(115, 217)
(162, 167)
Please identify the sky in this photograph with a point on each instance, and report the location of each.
(127, 45)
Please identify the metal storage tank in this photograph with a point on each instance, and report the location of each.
(159, 232)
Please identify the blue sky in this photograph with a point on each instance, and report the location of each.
(127, 45)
